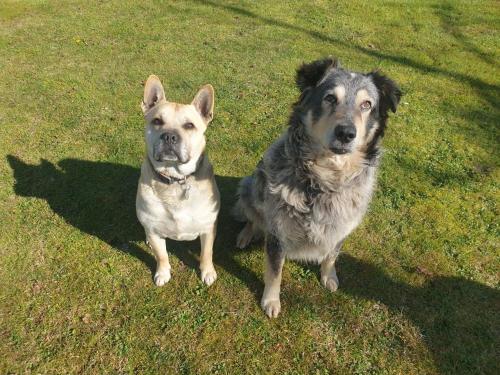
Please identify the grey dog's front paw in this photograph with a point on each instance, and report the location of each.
(272, 307)
(162, 277)
(330, 282)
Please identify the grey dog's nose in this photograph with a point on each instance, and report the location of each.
(169, 138)
(345, 133)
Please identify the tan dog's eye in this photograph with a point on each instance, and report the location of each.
(330, 99)
(188, 126)
(158, 122)
(366, 105)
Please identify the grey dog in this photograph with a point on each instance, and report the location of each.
(313, 185)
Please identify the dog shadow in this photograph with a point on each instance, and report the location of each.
(99, 199)
(459, 319)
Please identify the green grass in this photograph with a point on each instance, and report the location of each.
(419, 279)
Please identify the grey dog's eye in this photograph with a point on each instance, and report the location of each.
(188, 126)
(330, 98)
(158, 121)
(366, 105)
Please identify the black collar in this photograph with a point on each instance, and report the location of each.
(170, 179)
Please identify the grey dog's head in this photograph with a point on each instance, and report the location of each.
(344, 111)
(175, 133)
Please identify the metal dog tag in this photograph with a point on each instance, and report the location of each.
(186, 189)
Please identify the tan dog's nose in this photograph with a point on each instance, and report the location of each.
(169, 138)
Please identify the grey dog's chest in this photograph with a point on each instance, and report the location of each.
(337, 212)
(312, 234)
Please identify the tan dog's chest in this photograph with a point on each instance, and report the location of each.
(179, 212)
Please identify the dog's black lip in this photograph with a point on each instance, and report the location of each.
(169, 152)
(178, 161)
(339, 151)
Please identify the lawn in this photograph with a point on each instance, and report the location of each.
(419, 279)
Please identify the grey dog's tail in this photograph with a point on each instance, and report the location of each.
(240, 209)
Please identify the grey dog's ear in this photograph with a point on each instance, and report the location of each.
(204, 102)
(308, 75)
(153, 93)
(388, 91)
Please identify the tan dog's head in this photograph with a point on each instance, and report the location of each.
(175, 133)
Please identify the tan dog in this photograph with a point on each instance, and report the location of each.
(177, 197)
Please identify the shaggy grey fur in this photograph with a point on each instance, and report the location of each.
(285, 199)
(305, 214)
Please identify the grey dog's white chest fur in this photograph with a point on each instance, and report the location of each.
(311, 231)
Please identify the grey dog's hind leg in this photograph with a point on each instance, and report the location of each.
(241, 210)
(245, 236)
(245, 210)
(275, 258)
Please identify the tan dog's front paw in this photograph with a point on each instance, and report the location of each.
(162, 277)
(330, 282)
(272, 308)
(208, 276)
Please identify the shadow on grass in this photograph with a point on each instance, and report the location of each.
(450, 18)
(458, 318)
(489, 92)
(99, 199)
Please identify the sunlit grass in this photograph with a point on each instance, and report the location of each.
(419, 278)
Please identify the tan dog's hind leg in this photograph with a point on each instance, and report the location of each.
(272, 277)
(208, 274)
(159, 247)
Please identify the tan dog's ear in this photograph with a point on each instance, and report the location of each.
(153, 93)
(204, 102)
